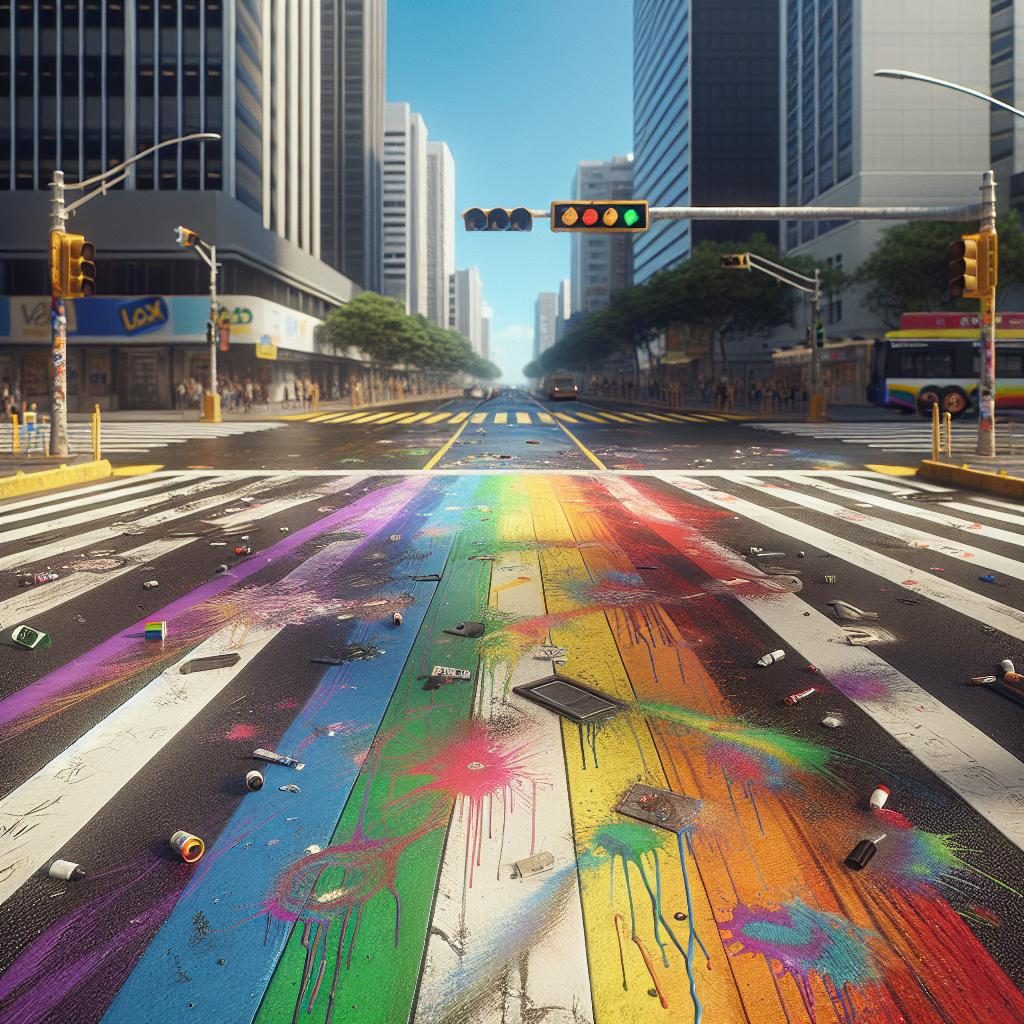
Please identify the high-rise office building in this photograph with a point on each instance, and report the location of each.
(440, 230)
(353, 44)
(87, 85)
(486, 317)
(465, 306)
(545, 317)
(855, 140)
(1007, 84)
(564, 310)
(705, 118)
(405, 207)
(601, 263)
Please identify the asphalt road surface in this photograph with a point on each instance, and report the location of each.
(459, 849)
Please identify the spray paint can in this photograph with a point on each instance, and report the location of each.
(397, 619)
(66, 871)
(36, 578)
(243, 549)
(190, 847)
(772, 656)
(1007, 666)
(861, 854)
(878, 797)
(795, 698)
(254, 781)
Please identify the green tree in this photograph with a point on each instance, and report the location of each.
(909, 270)
(376, 325)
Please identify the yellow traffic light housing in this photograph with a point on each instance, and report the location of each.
(604, 216)
(735, 261)
(56, 263)
(80, 282)
(965, 267)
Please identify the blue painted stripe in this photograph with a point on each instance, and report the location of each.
(271, 830)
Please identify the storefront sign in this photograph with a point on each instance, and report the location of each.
(143, 315)
(265, 347)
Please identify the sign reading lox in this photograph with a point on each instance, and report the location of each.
(143, 315)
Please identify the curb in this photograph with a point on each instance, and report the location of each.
(48, 479)
(981, 480)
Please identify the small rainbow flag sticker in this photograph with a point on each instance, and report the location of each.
(156, 630)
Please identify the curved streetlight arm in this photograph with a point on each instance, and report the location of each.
(97, 178)
(956, 87)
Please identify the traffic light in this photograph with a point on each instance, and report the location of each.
(605, 216)
(499, 218)
(735, 261)
(969, 267)
(819, 334)
(72, 266)
(212, 334)
(186, 237)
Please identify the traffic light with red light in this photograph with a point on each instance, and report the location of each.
(499, 218)
(604, 216)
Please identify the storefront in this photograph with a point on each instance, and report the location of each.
(134, 353)
(845, 369)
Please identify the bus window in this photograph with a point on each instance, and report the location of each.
(1009, 364)
(937, 364)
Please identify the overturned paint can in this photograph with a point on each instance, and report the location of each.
(1013, 677)
(795, 698)
(861, 855)
(254, 781)
(770, 658)
(34, 579)
(150, 585)
(878, 797)
(397, 619)
(1007, 666)
(66, 871)
(190, 847)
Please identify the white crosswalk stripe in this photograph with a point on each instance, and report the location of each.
(127, 437)
(894, 436)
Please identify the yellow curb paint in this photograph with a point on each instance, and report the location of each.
(892, 470)
(442, 451)
(478, 417)
(523, 418)
(981, 480)
(48, 479)
(137, 470)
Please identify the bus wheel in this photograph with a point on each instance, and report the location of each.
(954, 401)
(928, 396)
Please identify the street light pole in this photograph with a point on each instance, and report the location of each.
(59, 213)
(207, 252)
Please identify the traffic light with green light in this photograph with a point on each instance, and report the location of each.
(735, 261)
(604, 216)
(499, 218)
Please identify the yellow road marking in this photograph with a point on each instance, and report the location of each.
(612, 416)
(523, 418)
(566, 417)
(414, 417)
(501, 417)
(478, 417)
(369, 418)
(659, 416)
(443, 450)
(887, 470)
(297, 416)
(545, 417)
(391, 417)
(136, 470)
(706, 417)
(579, 444)
(343, 417)
(317, 418)
(439, 418)
(587, 416)
(458, 417)
(636, 416)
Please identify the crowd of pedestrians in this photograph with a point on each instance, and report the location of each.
(10, 398)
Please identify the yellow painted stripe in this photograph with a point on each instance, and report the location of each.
(478, 417)
(345, 417)
(292, 417)
(613, 417)
(137, 470)
(707, 417)
(501, 417)
(659, 416)
(391, 417)
(523, 418)
(681, 418)
(587, 416)
(638, 417)
(458, 417)
(440, 453)
(368, 418)
(582, 447)
(566, 418)
(545, 417)
(318, 418)
(414, 417)
(887, 470)
(438, 418)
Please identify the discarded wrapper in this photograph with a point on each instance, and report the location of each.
(661, 807)
(833, 720)
(275, 758)
(35, 578)
(1007, 666)
(211, 662)
(472, 630)
(150, 584)
(795, 698)
(982, 680)
(830, 579)
(396, 619)
(534, 865)
(770, 658)
(289, 787)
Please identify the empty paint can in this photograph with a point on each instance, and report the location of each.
(861, 855)
(396, 619)
(189, 846)
(1007, 666)
(878, 797)
(254, 781)
(66, 870)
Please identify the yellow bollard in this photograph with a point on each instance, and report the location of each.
(97, 439)
(935, 431)
(949, 433)
(15, 436)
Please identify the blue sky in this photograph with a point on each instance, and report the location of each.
(521, 90)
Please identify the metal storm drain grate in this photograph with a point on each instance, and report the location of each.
(569, 698)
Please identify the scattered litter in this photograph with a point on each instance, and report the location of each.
(243, 549)
(150, 584)
(156, 631)
(988, 629)
(648, 568)
(441, 674)
(989, 578)
(481, 558)
(830, 579)
(569, 698)
(861, 854)
(550, 653)
(851, 613)
(395, 538)
(534, 865)
(662, 807)
(430, 578)
(218, 543)
(878, 797)
(275, 758)
(397, 619)
(26, 636)
(344, 617)
(679, 915)
(795, 698)
(1007, 666)
(756, 551)
(833, 720)
(289, 788)
(326, 660)
(470, 630)
(66, 871)
(327, 508)
(770, 554)
(928, 496)
(908, 600)
(33, 579)
(801, 554)
(254, 780)
(983, 680)
(312, 848)
(283, 529)
(770, 658)
(80, 619)
(810, 668)
(222, 568)
(861, 636)
(189, 846)
(209, 663)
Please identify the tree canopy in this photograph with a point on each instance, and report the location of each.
(381, 329)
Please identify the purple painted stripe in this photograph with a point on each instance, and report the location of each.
(72, 674)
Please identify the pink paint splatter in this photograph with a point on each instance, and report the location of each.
(241, 731)
(287, 704)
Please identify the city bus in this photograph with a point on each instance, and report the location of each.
(935, 357)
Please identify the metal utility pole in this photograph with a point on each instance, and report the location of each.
(987, 371)
(207, 252)
(59, 214)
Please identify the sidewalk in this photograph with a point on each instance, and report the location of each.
(1002, 473)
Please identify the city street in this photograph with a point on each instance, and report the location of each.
(445, 847)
